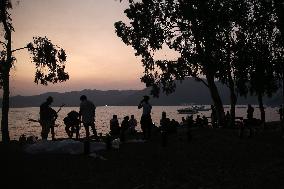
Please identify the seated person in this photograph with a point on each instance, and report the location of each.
(72, 123)
(132, 124)
(198, 121)
(124, 128)
(164, 122)
(205, 121)
(114, 126)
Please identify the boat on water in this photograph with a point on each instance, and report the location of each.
(187, 110)
(200, 108)
(193, 109)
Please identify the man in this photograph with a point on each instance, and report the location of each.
(47, 118)
(87, 113)
(250, 111)
(146, 120)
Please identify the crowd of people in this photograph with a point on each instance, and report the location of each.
(86, 118)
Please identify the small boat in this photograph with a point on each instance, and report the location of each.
(187, 111)
(200, 108)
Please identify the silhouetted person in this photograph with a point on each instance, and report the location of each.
(173, 126)
(250, 111)
(164, 127)
(72, 122)
(132, 124)
(47, 119)
(190, 123)
(204, 121)
(227, 118)
(124, 128)
(213, 116)
(88, 112)
(183, 122)
(146, 120)
(114, 126)
(198, 121)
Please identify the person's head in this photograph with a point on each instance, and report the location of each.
(49, 100)
(164, 114)
(132, 116)
(198, 116)
(146, 98)
(249, 105)
(83, 98)
(114, 116)
(126, 118)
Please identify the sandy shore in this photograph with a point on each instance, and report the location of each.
(215, 158)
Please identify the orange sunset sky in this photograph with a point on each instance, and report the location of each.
(96, 57)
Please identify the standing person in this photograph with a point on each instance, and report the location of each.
(87, 113)
(132, 124)
(146, 120)
(213, 116)
(47, 119)
(250, 111)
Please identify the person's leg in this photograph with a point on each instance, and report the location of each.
(94, 129)
(77, 129)
(87, 131)
(52, 132)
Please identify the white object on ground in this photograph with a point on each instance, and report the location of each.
(68, 146)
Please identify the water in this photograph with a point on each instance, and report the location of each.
(19, 124)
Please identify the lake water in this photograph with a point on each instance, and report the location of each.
(19, 124)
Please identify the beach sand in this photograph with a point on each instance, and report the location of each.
(215, 158)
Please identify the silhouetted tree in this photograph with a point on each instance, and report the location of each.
(48, 58)
(195, 29)
(264, 52)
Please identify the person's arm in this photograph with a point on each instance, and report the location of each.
(140, 104)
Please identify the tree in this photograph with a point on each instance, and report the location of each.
(263, 52)
(49, 60)
(195, 29)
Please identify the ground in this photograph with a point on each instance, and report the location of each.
(214, 158)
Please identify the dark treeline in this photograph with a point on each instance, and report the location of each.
(237, 42)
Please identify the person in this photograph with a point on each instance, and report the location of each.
(173, 126)
(227, 118)
(213, 116)
(205, 121)
(87, 114)
(146, 120)
(72, 123)
(183, 122)
(198, 121)
(132, 124)
(114, 126)
(164, 127)
(47, 119)
(124, 128)
(250, 111)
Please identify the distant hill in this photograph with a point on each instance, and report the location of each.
(187, 92)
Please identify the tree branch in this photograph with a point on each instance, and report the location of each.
(201, 80)
(19, 49)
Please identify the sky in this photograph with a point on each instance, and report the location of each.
(96, 57)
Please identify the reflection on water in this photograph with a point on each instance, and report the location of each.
(19, 124)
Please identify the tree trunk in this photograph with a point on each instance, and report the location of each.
(261, 108)
(5, 74)
(5, 108)
(233, 99)
(216, 99)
